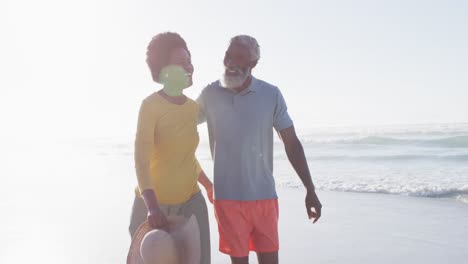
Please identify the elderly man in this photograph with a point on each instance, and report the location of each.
(241, 112)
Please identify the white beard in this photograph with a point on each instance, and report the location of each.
(232, 82)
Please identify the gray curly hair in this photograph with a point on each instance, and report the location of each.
(249, 42)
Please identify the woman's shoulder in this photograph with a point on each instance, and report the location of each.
(191, 102)
(152, 98)
(151, 104)
(153, 101)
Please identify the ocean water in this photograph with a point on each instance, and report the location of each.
(69, 201)
(414, 160)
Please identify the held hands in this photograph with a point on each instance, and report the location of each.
(312, 201)
(156, 218)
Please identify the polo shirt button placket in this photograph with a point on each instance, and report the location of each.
(234, 101)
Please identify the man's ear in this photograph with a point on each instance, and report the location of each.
(253, 64)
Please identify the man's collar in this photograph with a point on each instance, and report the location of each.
(253, 85)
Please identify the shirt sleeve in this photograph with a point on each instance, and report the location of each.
(201, 108)
(144, 144)
(281, 118)
(198, 168)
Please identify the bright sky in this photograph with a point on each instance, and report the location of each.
(77, 68)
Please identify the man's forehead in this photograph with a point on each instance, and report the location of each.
(237, 47)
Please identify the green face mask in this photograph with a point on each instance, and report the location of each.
(175, 79)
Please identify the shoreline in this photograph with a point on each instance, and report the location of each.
(368, 228)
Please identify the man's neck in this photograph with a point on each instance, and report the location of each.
(244, 85)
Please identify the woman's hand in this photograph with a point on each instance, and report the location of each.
(156, 218)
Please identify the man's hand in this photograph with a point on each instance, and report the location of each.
(156, 218)
(312, 201)
(296, 156)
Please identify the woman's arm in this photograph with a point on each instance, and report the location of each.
(206, 182)
(144, 141)
(156, 217)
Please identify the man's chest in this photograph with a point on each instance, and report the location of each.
(234, 117)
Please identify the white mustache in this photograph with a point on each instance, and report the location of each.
(233, 81)
(235, 70)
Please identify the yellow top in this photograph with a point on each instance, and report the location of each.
(165, 144)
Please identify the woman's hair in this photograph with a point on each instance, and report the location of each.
(159, 50)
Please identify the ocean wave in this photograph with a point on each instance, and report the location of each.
(463, 198)
(428, 192)
(396, 131)
(458, 193)
(447, 142)
(402, 157)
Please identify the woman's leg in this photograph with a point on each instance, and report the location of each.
(197, 206)
(138, 216)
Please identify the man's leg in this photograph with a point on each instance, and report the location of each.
(138, 216)
(234, 230)
(265, 239)
(268, 258)
(241, 260)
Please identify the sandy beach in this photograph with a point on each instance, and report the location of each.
(75, 209)
(355, 228)
(370, 228)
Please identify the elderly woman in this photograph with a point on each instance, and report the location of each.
(165, 144)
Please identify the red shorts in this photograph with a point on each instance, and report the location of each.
(247, 226)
